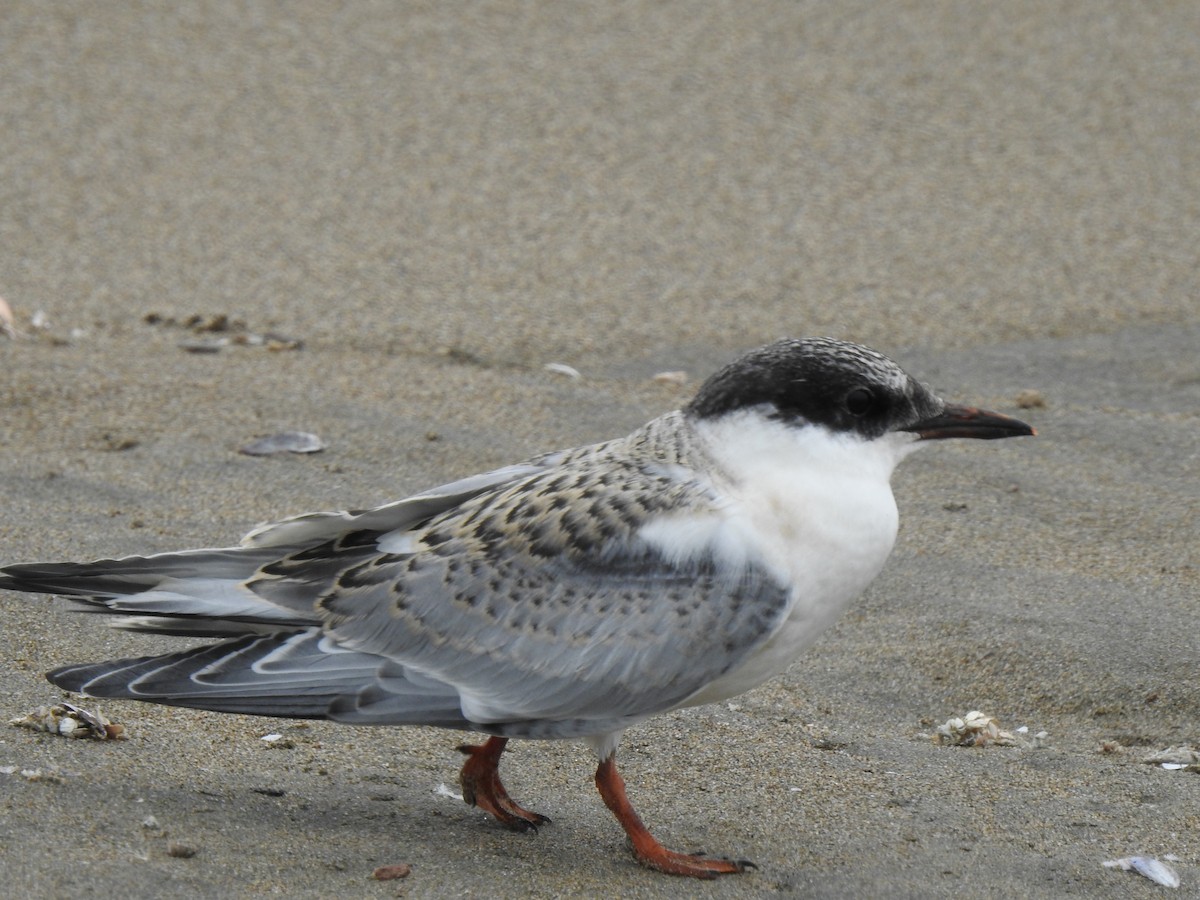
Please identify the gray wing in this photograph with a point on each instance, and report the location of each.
(520, 602)
(547, 612)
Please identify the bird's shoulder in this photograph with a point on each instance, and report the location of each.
(587, 505)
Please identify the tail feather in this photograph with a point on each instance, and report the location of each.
(199, 592)
(110, 578)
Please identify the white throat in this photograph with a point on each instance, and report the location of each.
(816, 508)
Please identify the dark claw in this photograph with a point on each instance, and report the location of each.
(524, 826)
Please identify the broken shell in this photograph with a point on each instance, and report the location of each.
(95, 720)
(49, 776)
(69, 720)
(392, 872)
(7, 328)
(562, 369)
(204, 345)
(277, 342)
(677, 378)
(977, 729)
(180, 850)
(1156, 870)
(1030, 399)
(1174, 757)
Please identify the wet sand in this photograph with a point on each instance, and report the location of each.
(438, 201)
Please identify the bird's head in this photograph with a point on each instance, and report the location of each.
(845, 389)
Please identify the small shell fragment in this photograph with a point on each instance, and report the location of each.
(204, 345)
(392, 872)
(7, 327)
(284, 442)
(180, 850)
(230, 332)
(677, 378)
(1175, 759)
(562, 369)
(442, 791)
(1030, 399)
(977, 729)
(278, 342)
(50, 776)
(69, 720)
(278, 742)
(1156, 870)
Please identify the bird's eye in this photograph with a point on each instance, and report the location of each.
(859, 401)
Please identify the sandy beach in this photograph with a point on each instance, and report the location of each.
(379, 222)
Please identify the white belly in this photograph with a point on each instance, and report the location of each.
(826, 530)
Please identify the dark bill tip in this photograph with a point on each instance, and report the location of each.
(968, 422)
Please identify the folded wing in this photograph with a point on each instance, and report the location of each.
(524, 602)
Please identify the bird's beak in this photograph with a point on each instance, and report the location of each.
(968, 422)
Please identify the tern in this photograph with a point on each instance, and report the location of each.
(567, 597)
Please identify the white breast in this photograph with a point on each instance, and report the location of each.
(815, 508)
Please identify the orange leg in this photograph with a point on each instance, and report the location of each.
(649, 852)
(480, 780)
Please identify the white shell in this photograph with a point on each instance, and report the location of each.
(1156, 870)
